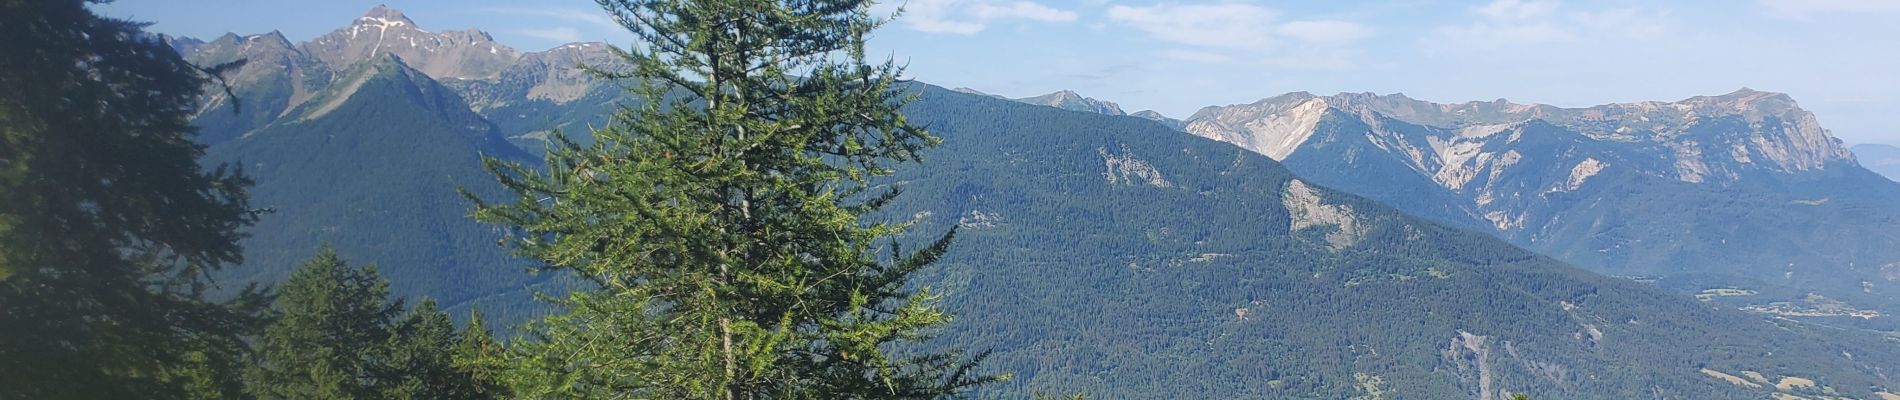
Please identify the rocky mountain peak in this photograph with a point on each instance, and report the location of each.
(382, 15)
(467, 54)
(273, 38)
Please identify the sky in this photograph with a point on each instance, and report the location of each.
(1837, 58)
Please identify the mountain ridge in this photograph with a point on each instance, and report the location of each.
(1096, 253)
(1701, 185)
(1072, 101)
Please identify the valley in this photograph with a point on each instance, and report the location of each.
(1301, 246)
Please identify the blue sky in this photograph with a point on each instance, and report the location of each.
(1838, 58)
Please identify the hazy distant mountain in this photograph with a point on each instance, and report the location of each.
(1171, 123)
(1100, 254)
(978, 92)
(1744, 189)
(1071, 101)
(1881, 158)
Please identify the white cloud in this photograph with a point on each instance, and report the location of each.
(1508, 10)
(1504, 23)
(1194, 56)
(1516, 23)
(1226, 25)
(972, 16)
(1020, 9)
(559, 34)
(1802, 9)
(1223, 32)
(590, 17)
(1326, 32)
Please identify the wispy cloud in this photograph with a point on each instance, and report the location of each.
(559, 34)
(1231, 31)
(591, 17)
(1803, 9)
(1194, 56)
(972, 16)
(1326, 32)
(1513, 23)
(1226, 25)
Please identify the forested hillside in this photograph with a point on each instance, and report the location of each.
(1109, 255)
(1101, 254)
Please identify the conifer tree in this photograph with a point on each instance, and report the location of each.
(337, 335)
(419, 359)
(108, 224)
(325, 342)
(481, 357)
(721, 220)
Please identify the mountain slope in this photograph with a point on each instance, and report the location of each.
(371, 166)
(1739, 191)
(1098, 253)
(1106, 255)
(275, 78)
(1884, 159)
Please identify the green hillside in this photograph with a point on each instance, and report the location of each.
(371, 165)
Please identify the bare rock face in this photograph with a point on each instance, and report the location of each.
(1703, 138)
(555, 75)
(1275, 127)
(1745, 185)
(1306, 209)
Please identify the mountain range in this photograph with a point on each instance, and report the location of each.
(1738, 193)
(1116, 255)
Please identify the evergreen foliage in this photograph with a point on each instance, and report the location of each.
(108, 224)
(719, 221)
(338, 336)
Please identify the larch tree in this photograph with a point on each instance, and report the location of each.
(721, 220)
(109, 227)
